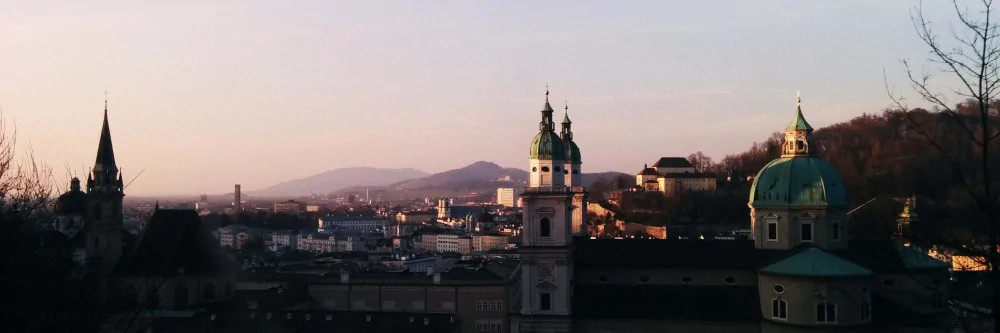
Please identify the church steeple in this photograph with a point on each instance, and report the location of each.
(798, 134)
(546, 125)
(105, 150)
(104, 220)
(105, 174)
(567, 131)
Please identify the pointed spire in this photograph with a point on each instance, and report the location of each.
(547, 107)
(799, 123)
(566, 114)
(105, 150)
(546, 125)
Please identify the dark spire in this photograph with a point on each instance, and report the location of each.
(105, 151)
(74, 184)
(567, 132)
(547, 125)
(566, 114)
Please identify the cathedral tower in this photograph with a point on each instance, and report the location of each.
(546, 244)
(103, 221)
(573, 173)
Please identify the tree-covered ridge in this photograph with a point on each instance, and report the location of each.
(886, 157)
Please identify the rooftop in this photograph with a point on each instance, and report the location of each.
(672, 162)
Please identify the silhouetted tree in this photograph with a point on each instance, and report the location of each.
(971, 57)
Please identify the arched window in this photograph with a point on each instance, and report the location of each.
(826, 313)
(779, 309)
(545, 228)
(209, 291)
(180, 297)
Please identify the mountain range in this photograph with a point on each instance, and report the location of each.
(333, 180)
(477, 177)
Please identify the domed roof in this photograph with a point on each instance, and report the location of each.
(547, 146)
(798, 181)
(73, 202)
(573, 153)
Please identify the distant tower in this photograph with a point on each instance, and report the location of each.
(444, 209)
(103, 221)
(572, 172)
(546, 244)
(906, 219)
(237, 203)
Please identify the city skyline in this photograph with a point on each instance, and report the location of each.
(258, 95)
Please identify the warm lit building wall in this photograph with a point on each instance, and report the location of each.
(505, 197)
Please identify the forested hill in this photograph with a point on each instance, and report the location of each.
(890, 156)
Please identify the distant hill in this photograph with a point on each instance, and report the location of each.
(471, 176)
(477, 181)
(337, 179)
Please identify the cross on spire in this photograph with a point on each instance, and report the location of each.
(798, 98)
(105, 100)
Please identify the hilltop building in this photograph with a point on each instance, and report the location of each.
(674, 175)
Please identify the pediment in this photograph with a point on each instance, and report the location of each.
(546, 286)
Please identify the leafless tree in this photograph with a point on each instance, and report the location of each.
(969, 56)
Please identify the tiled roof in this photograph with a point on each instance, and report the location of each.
(175, 239)
(689, 175)
(672, 162)
(702, 303)
(600, 253)
(648, 172)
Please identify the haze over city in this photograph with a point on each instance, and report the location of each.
(204, 95)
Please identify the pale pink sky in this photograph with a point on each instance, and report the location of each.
(205, 94)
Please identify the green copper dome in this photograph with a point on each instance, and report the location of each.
(798, 181)
(547, 146)
(572, 153)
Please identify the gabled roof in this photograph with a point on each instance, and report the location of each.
(648, 172)
(814, 262)
(175, 239)
(673, 162)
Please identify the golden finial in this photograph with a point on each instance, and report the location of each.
(798, 98)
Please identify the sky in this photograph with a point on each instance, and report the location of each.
(206, 94)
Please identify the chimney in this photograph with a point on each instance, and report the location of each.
(437, 278)
(237, 201)
(344, 276)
